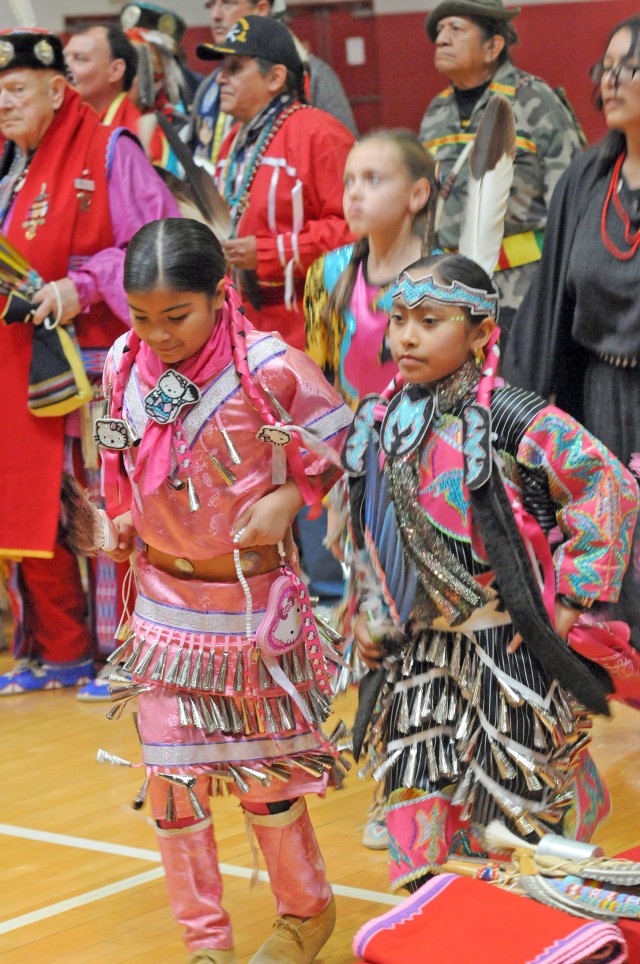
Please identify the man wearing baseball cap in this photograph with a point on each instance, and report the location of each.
(472, 48)
(279, 170)
(210, 124)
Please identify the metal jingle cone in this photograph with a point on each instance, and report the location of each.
(225, 473)
(443, 762)
(198, 722)
(415, 715)
(442, 706)
(513, 699)
(118, 654)
(141, 796)
(195, 683)
(547, 719)
(452, 710)
(467, 810)
(437, 653)
(235, 719)
(296, 667)
(504, 726)
(285, 665)
(464, 681)
(207, 715)
(282, 412)
(277, 772)
(103, 756)
(192, 496)
(505, 767)
(187, 783)
(403, 722)
(248, 719)
(327, 630)
(407, 662)
(263, 678)
(239, 779)
(128, 692)
(123, 632)
(463, 789)
(476, 692)
(285, 719)
(158, 670)
(432, 763)
(172, 672)
(381, 771)
(142, 667)
(320, 706)
(466, 753)
(409, 772)
(122, 679)
(221, 714)
(454, 763)
(270, 720)
(135, 656)
(308, 668)
(170, 814)
(238, 676)
(234, 455)
(367, 769)
(182, 679)
(221, 679)
(456, 656)
(539, 740)
(309, 766)
(340, 731)
(426, 710)
(305, 702)
(207, 682)
(421, 648)
(261, 776)
(116, 711)
(184, 716)
(215, 714)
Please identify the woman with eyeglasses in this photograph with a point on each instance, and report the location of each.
(576, 335)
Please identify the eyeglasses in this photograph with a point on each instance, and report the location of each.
(621, 74)
(225, 4)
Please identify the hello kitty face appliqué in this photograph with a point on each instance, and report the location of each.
(171, 394)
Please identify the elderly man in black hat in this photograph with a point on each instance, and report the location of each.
(72, 194)
(472, 48)
(279, 170)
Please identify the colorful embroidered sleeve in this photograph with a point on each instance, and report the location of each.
(596, 498)
(315, 329)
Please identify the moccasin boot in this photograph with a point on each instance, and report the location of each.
(214, 956)
(295, 940)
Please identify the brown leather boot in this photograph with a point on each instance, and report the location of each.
(214, 956)
(296, 940)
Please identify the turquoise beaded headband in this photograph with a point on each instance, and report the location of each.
(478, 301)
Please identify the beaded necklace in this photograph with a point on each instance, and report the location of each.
(239, 199)
(631, 237)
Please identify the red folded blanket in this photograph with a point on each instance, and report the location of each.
(469, 921)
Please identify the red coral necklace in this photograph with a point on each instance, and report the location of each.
(631, 237)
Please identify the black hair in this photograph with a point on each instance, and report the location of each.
(449, 268)
(294, 83)
(119, 44)
(490, 28)
(615, 141)
(177, 253)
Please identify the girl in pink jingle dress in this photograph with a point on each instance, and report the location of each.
(211, 490)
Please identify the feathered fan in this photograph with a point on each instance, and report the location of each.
(57, 380)
(490, 177)
(23, 12)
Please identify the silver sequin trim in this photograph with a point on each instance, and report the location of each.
(189, 620)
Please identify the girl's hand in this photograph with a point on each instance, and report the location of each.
(564, 618)
(48, 303)
(370, 652)
(267, 521)
(126, 537)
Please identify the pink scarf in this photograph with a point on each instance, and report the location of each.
(153, 464)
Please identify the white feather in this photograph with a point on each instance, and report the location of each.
(23, 12)
(489, 184)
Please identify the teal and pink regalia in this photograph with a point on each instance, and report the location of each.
(462, 731)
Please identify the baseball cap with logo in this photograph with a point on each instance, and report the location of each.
(256, 37)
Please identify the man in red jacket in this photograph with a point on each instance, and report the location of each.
(280, 171)
(72, 194)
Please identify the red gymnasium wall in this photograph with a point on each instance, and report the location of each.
(558, 41)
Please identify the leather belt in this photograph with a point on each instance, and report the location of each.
(254, 560)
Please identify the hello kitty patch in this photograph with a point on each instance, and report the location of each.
(112, 433)
(173, 391)
(281, 627)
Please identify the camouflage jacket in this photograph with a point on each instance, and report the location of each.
(547, 139)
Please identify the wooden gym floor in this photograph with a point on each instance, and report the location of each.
(80, 878)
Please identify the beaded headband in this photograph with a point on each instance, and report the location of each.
(412, 292)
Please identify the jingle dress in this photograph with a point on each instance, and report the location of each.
(463, 732)
(211, 703)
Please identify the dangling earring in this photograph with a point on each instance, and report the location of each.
(479, 356)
